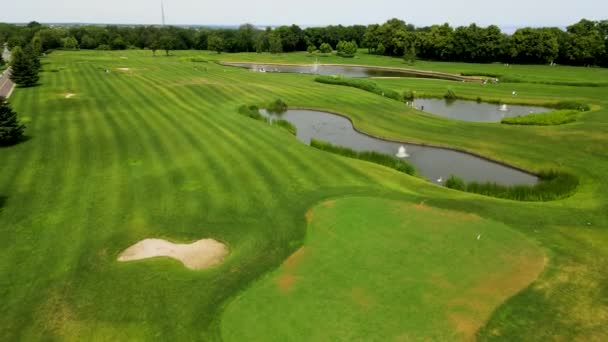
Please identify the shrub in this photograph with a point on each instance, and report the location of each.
(409, 95)
(347, 49)
(277, 107)
(325, 48)
(362, 84)
(450, 95)
(572, 105)
(380, 49)
(552, 185)
(370, 156)
(557, 117)
(252, 112)
(286, 125)
(311, 49)
(104, 47)
(455, 183)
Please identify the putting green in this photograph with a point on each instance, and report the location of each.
(386, 270)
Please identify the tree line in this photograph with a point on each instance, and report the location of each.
(583, 43)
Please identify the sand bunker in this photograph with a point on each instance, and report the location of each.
(69, 95)
(196, 256)
(124, 69)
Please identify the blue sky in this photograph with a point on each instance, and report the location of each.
(307, 12)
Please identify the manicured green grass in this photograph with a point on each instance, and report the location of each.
(374, 269)
(160, 150)
(362, 84)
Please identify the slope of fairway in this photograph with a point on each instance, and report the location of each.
(374, 269)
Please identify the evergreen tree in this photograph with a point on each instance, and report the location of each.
(11, 131)
(24, 68)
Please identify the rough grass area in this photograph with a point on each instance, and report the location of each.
(558, 117)
(377, 269)
(362, 84)
(552, 185)
(370, 156)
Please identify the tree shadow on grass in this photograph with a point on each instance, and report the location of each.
(23, 139)
(2, 202)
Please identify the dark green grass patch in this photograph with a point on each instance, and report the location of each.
(370, 156)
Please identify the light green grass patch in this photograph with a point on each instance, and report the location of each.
(375, 269)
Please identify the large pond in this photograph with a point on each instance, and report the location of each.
(343, 70)
(433, 163)
(474, 111)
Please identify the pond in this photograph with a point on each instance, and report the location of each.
(433, 163)
(474, 111)
(344, 70)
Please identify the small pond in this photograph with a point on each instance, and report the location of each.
(432, 163)
(343, 70)
(474, 111)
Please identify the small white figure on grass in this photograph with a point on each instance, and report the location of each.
(514, 93)
(479, 237)
(440, 180)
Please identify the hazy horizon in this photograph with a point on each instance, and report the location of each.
(515, 13)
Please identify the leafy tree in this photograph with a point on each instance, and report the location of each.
(311, 49)
(347, 49)
(69, 43)
(215, 43)
(118, 43)
(409, 56)
(325, 48)
(532, 45)
(380, 49)
(167, 43)
(23, 68)
(275, 44)
(11, 131)
(88, 42)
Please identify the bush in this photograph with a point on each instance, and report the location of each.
(286, 125)
(347, 49)
(252, 112)
(557, 117)
(450, 95)
(277, 107)
(325, 48)
(552, 185)
(409, 95)
(572, 105)
(380, 49)
(370, 156)
(360, 84)
(104, 47)
(311, 49)
(455, 183)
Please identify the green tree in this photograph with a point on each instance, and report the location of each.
(380, 49)
(69, 43)
(215, 43)
(311, 49)
(325, 48)
(166, 42)
(23, 68)
(11, 131)
(346, 49)
(409, 56)
(118, 43)
(275, 44)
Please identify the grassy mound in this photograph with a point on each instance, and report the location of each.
(362, 84)
(558, 117)
(377, 269)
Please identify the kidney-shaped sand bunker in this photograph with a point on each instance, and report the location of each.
(196, 256)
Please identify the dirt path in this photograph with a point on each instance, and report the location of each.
(6, 85)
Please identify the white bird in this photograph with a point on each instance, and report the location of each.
(440, 180)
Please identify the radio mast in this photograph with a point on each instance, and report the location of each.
(162, 11)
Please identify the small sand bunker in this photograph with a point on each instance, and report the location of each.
(196, 256)
(124, 69)
(69, 95)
